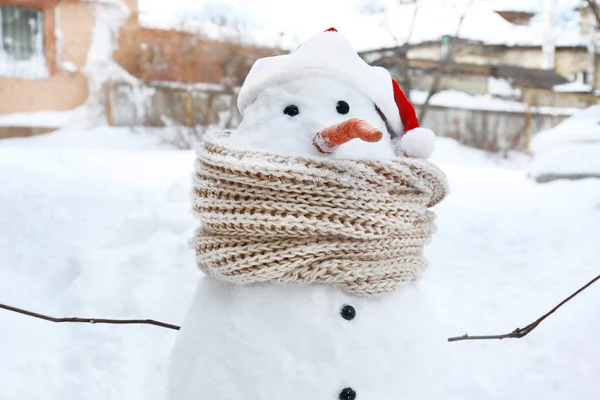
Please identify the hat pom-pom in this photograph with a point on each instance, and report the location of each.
(418, 142)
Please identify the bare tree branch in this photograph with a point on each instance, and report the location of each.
(413, 22)
(519, 333)
(593, 6)
(445, 60)
(516, 334)
(91, 320)
(385, 24)
(402, 44)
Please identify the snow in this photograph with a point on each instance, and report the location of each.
(190, 87)
(436, 18)
(100, 228)
(520, 6)
(272, 24)
(99, 138)
(573, 87)
(506, 252)
(291, 342)
(501, 87)
(32, 68)
(265, 127)
(583, 126)
(462, 100)
(92, 223)
(109, 16)
(573, 160)
(68, 66)
(570, 149)
(48, 119)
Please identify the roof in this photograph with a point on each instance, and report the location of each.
(527, 6)
(482, 24)
(530, 77)
(534, 78)
(516, 17)
(434, 19)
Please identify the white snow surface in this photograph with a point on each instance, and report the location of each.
(573, 87)
(109, 16)
(273, 24)
(501, 87)
(569, 160)
(463, 100)
(572, 148)
(48, 119)
(291, 342)
(99, 228)
(91, 223)
(583, 126)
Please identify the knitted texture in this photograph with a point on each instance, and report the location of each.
(355, 224)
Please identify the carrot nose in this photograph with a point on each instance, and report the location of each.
(332, 137)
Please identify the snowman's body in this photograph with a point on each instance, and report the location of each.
(293, 342)
(307, 342)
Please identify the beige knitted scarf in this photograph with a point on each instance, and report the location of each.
(358, 225)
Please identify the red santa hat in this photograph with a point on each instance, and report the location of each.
(330, 55)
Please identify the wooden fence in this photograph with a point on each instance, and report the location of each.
(489, 130)
(160, 104)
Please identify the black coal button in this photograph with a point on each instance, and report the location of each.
(347, 394)
(348, 312)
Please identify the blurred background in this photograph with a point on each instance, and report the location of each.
(103, 101)
(489, 73)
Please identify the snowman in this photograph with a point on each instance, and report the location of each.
(313, 213)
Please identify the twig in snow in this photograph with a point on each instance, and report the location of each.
(519, 333)
(516, 334)
(91, 320)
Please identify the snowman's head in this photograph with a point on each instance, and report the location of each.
(312, 116)
(323, 98)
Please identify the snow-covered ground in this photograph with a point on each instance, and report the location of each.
(47, 119)
(569, 150)
(507, 251)
(91, 223)
(95, 223)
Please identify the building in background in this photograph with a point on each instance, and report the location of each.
(45, 46)
(571, 57)
(184, 77)
(507, 74)
(496, 95)
(54, 54)
(179, 55)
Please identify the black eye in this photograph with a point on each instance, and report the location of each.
(291, 110)
(342, 107)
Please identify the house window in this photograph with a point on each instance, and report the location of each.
(22, 43)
